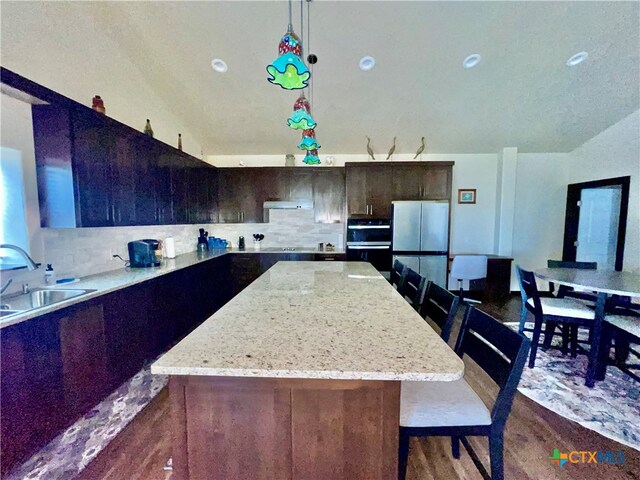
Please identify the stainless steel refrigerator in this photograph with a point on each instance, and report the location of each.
(420, 238)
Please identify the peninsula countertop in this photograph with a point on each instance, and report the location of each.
(315, 320)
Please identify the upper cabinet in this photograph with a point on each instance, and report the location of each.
(95, 172)
(243, 191)
(371, 187)
(369, 190)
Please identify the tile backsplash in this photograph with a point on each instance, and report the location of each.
(78, 252)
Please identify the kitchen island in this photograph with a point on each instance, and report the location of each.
(298, 377)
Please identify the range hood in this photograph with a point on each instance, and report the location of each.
(288, 204)
(285, 205)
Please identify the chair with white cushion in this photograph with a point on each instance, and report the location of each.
(563, 312)
(468, 267)
(453, 409)
(623, 330)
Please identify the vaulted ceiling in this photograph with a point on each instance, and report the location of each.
(521, 94)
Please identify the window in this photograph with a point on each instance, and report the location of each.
(13, 218)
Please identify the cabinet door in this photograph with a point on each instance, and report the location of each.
(32, 410)
(329, 195)
(54, 167)
(379, 190)
(300, 183)
(356, 181)
(162, 169)
(229, 203)
(212, 195)
(147, 153)
(123, 185)
(407, 182)
(180, 191)
(199, 193)
(93, 147)
(436, 182)
(85, 379)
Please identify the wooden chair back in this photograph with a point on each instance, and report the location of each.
(529, 289)
(441, 306)
(412, 287)
(397, 270)
(500, 351)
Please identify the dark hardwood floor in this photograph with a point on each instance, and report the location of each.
(141, 450)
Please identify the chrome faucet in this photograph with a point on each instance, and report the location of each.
(31, 265)
(5, 286)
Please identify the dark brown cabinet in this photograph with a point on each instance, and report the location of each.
(56, 367)
(95, 172)
(422, 181)
(369, 190)
(329, 195)
(240, 195)
(371, 187)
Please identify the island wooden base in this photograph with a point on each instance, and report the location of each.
(232, 428)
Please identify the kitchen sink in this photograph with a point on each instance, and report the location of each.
(38, 298)
(44, 297)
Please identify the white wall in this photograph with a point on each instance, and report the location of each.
(615, 152)
(540, 197)
(81, 62)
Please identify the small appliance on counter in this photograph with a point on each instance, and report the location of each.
(240, 243)
(203, 243)
(142, 253)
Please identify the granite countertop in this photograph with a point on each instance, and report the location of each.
(103, 283)
(331, 320)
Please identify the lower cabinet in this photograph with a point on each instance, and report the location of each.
(56, 367)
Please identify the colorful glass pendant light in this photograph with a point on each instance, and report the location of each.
(301, 118)
(289, 70)
(311, 158)
(308, 141)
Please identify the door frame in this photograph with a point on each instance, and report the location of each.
(572, 216)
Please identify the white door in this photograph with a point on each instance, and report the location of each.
(598, 226)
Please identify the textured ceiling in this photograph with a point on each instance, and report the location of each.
(522, 94)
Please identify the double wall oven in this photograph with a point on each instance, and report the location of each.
(369, 240)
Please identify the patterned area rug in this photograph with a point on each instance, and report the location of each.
(71, 451)
(611, 408)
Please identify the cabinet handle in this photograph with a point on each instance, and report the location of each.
(113, 212)
(242, 216)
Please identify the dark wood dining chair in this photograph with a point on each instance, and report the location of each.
(396, 275)
(412, 287)
(454, 409)
(440, 306)
(552, 312)
(623, 330)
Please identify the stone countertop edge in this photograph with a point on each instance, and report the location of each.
(113, 280)
(307, 374)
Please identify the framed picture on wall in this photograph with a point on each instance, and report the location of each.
(467, 195)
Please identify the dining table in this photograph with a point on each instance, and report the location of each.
(606, 284)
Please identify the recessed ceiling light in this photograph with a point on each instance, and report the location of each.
(367, 63)
(577, 58)
(219, 65)
(472, 60)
